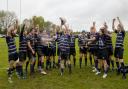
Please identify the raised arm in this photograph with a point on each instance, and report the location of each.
(105, 25)
(30, 47)
(22, 30)
(120, 23)
(94, 24)
(113, 25)
(12, 29)
(63, 23)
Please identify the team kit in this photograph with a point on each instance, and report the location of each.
(39, 47)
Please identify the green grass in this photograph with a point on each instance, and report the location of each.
(79, 79)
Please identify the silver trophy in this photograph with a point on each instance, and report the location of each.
(63, 20)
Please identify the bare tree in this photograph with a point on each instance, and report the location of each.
(7, 19)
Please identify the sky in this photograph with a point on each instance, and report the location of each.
(79, 13)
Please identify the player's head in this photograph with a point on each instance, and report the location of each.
(32, 31)
(83, 32)
(119, 27)
(12, 30)
(102, 30)
(61, 32)
(37, 29)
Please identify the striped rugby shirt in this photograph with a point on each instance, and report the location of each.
(31, 39)
(38, 45)
(82, 40)
(22, 42)
(109, 41)
(58, 39)
(52, 44)
(65, 43)
(101, 39)
(120, 39)
(72, 41)
(92, 45)
(43, 39)
(11, 45)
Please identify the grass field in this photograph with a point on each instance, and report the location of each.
(79, 79)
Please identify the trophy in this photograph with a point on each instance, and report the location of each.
(63, 20)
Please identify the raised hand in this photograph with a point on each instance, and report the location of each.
(94, 23)
(118, 18)
(114, 20)
(63, 20)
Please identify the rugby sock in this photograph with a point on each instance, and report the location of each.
(96, 64)
(70, 70)
(65, 63)
(47, 63)
(86, 61)
(26, 67)
(74, 60)
(10, 72)
(108, 62)
(90, 57)
(122, 64)
(53, 63)
(112, 63)
(118, 68)
(117, 64)
(59, 61)
(106, 70)
(50, 64)
(21, 71)
(38, 63)
(42, 64)
(62, 70)
(80, 61)
(124, 76)
(18, 69)
(13, 69)
(34, 64)
(123, 70)
(31, 68)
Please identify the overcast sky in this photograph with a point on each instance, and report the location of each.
(79, 13)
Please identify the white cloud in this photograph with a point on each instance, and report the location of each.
(79, 13)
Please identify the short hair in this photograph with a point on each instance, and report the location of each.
(102, 30)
